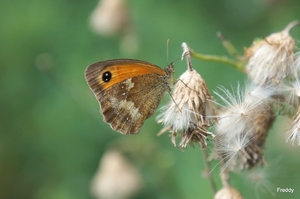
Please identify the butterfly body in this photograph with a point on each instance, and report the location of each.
(129, 91)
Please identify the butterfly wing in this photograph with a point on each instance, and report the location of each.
(131, 95)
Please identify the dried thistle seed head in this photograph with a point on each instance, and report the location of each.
(242, 128)
(186, 114)
(228, 192)
(111, 17)
(294, 131)
(242, 148)
(270, 60)
(238, 152)
(116, 177)
(241, 106)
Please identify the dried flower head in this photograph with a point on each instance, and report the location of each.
(228, 192)
(238, 152)
(116, 177)
(186, 114)
(294, 130)
(243, 127)
(270, 60)
(241, 106)
(111, 17)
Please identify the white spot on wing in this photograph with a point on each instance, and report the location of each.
(127, 105)
(129, 84)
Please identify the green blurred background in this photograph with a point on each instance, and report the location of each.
(52, 135)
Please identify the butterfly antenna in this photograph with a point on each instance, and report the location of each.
(168, 40)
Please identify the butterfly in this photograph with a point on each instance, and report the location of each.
(128, 91)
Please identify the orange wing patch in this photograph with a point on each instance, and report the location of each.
(126, 71)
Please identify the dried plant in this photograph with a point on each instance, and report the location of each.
(188, 114)
(239, 128)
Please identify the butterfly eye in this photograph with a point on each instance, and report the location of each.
(106, 76)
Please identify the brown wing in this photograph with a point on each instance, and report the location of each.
(127, 102)
(120, 69)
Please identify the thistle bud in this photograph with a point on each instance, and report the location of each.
(228, 192)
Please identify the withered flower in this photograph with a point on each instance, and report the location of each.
(116, 177)
(242, 128)
(270, 60)
(111, 17)
(186, 114)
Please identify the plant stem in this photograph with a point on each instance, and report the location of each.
(208, 173)
(238, 65)
(225, 177)
(229, 46)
